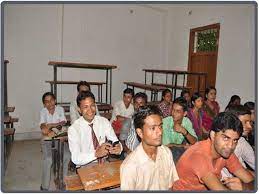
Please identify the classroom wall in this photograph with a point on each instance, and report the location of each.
(236, 52)
(129, 36)
(132, 37)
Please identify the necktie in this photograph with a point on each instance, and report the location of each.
(95, 142)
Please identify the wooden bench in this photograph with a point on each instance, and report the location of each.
(154, 89)
(172, 86)
(98, 84)
(9, 121)
(73, 183)
(8, 141)
(9, 109)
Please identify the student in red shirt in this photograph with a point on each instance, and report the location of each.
(199, 168)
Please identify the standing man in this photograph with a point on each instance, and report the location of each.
(74, 109)
(87, 135)
(199, 168)
(150, 166)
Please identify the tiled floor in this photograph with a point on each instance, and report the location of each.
(23, 171)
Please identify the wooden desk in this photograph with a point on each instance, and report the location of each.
(9, 109)
(154, 89)
(107, 68)
(100, 176)
(98, 84)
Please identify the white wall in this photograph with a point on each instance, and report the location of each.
(236, 65)
(132, 37)
(102, 34)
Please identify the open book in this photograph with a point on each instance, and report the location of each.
(56, 133)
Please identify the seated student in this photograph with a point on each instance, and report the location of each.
(74, 109)
(244, 150)
(166, 103)
(122, 113)
(187, 96)
(234, 100)
(251, 107)
(196, 114)
(150, 166)
(210, 106)
(132, 141)
(178, 128)
(52, 118)
(87, 135)
(199, 168)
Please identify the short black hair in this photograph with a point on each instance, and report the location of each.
(83, 95)
(232, 99)
(239, 110)
(250, 105)
(227, 120)
(140, 95)
(182, 102)
(164, 92)
(185, 92)
(128, 91)
(143, 113)
(195, 96)
(48, 94)
(83, 83)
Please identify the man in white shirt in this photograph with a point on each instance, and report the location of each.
(150, 166)
(74, 109)
(122, 113)
(88, 135)
(244, 150)
(52, 118)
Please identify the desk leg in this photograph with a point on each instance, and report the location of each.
(53, 156)
(58, 165)
(61, 164)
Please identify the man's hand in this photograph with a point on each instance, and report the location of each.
(233, 183)
(115, 150)
(102, 150)
(44, 129)
(178, 128)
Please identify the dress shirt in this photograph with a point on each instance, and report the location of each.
(119, 108)
(139, 172)
(80, 138)
(244, 153)
(58, 116)
(132, 140)
(74, 114)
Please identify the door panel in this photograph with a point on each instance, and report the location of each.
(203, 61)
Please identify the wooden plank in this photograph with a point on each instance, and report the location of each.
(74, 82)
(73, 183)
(104, 107)
(9, 131)
(100, 176)
(164, 71)
(145, 86)
(81, 65)
(14, 120)
(172, 86)
(10, 109)
(7, 119)
(107, 115)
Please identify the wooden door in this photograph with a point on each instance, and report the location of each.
(203, 54)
